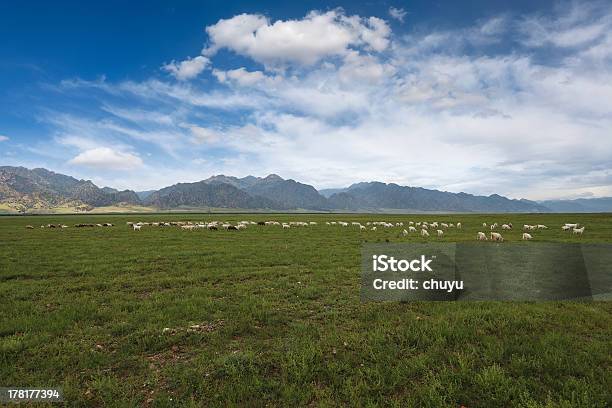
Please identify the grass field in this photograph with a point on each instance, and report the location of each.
(279, 319)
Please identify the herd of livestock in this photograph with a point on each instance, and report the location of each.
(423, 228)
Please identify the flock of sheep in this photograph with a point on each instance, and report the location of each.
(106, 224)
(421, 227)
(576, 229)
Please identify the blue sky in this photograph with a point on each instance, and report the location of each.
(508, 97)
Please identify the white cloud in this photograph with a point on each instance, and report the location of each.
(107, 158)
(434, 109)
(397, 13)
(203, 135)
(3, 138)
(187, 69)
(304, 42)
(241, 76)
(582, 24)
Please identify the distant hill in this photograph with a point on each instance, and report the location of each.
(580, 205)
(328, 192)
(23, 189)
(144, 194)
(376, 195)
(288, 194)
(204, 194)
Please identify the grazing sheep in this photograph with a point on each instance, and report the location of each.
(424, 233)
(404, 232)
(566, 228)
(29, 227)
(212, 227)
(362, 228)
(458, 225)
(578, 231)
(506, 227)
(440, 232)
(540, 226)
(484, 224)
(526, 236)
(412, 229)
(373, 228)
(286, 226)
(136, 227)
(497, 237)
(481, 236)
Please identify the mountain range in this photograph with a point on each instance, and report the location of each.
(39, 189)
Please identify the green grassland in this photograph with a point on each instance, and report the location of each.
(272, 317)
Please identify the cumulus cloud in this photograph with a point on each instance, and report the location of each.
(3, 138)
(304, 42)
(397, 13)
(107, 158)
(187, 69)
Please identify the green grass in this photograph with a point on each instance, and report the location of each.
(281, 320)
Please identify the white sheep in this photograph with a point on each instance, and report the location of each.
(497, 237)
(526, 236)
(481, 236)
(440, 232)
(424, 233)
(578, 231)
